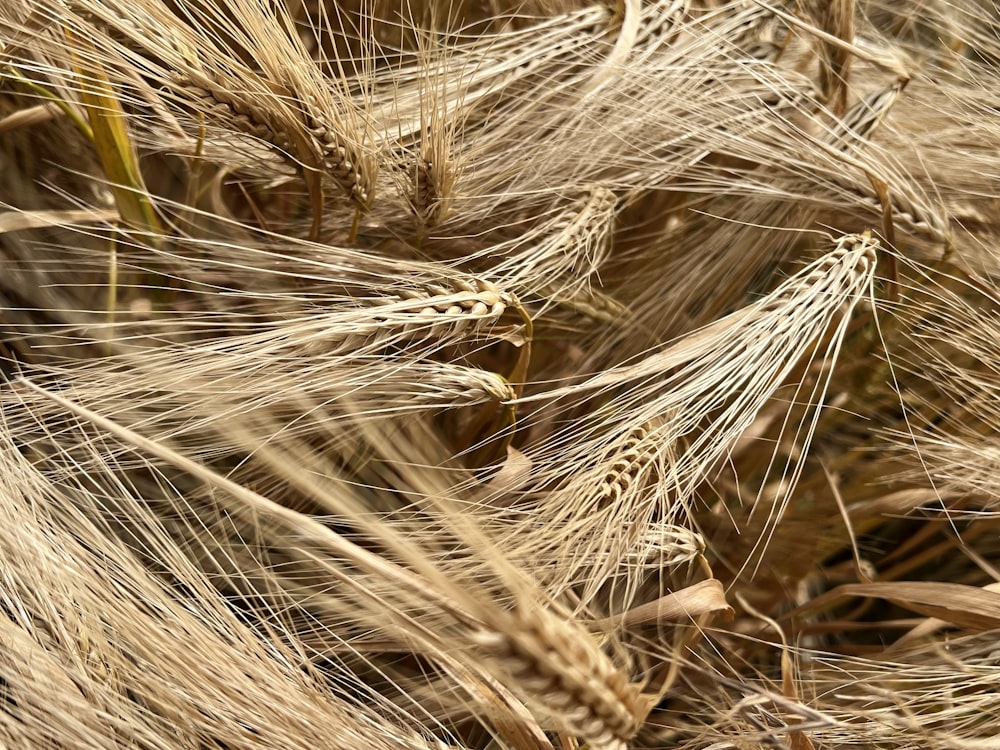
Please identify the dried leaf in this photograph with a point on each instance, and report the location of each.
(701, 598)
(965, 606)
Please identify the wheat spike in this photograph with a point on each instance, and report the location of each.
(342, 161)
(474, 304)
(430, 176)
(732, 359)
(566, 675)
(215, 97)
(556, 261)
(912, 213)
(590, 303)
(861, 120)
(426, 150)
(289, 107)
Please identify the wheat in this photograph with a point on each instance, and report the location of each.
(911, 213)
(730, 370)
(426, 144)
(220, 100)
(564, 673)
(850, 265)
(556, 260)
(472, 304)
(626, 468)
(430, 176)
(341, 160)
(293, 112)
(861, 120)
(426, 311)
(589, 302)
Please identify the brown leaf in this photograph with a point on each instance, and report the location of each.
(701, 598)
(965, 606)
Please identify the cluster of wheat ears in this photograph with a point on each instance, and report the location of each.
(499, 374)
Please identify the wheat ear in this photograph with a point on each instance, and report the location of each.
(591, 303)
(729, 369)
(862, 119)
(560, 670)
(223, 101)
(556, 260)
(473, 304)
(911, 212)
(426, 157)
(431, 179)
(585, 241)
(303, 130)
(285, 104)
(435, 312)
(341, 161)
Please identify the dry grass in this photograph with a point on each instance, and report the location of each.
(499, 376)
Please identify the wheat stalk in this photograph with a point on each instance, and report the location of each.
(837, 19)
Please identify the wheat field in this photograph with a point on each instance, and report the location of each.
(499, 374)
